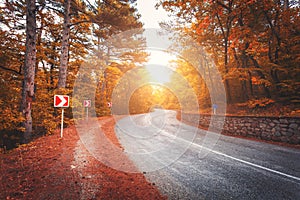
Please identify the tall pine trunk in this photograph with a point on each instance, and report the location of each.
(29, 69)
(64, 57)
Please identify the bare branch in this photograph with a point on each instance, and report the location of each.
(12, 70)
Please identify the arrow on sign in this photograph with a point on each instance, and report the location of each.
(61, 101)
(87, 103)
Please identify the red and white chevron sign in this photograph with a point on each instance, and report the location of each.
(87, 103)
(61, 101)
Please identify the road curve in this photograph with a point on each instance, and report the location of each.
(173, 156)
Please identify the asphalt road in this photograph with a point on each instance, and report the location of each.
(188, 163)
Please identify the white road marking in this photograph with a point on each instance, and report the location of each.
(237, 159)
(227, 156)
(248, 163)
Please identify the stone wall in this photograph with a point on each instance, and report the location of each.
(279, 129)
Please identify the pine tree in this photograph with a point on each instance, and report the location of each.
(29, 68)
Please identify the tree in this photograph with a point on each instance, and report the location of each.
(251, 42)
(64, 46)
(210, 23)
(40, 72)
(29, 68)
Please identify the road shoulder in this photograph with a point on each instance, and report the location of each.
(55, 168)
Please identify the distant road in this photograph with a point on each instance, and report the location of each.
(174, 158)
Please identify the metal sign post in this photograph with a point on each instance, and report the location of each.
(87, 104)
(215, 106)
(62, 123)
(61, 101)
(87, 113)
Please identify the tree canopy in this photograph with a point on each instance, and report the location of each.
(45, 43)
(255, 44)
(66, 32)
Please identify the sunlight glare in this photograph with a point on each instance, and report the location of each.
(159, 66)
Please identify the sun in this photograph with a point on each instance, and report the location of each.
(159, 74)
(159, 66)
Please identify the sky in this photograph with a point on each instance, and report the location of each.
(158, 60)
(150, 15)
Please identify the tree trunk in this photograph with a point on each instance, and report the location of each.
(250, 84)
(29, 68)
(245, 93)
(261, 76)
(225, 35)
(227, 85)
(64, 57)
(52, 67)
(286, 4)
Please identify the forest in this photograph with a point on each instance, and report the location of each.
(255, 45)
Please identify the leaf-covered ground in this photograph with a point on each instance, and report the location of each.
(55, 168)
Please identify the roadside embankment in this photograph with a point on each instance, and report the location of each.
(277, 129)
